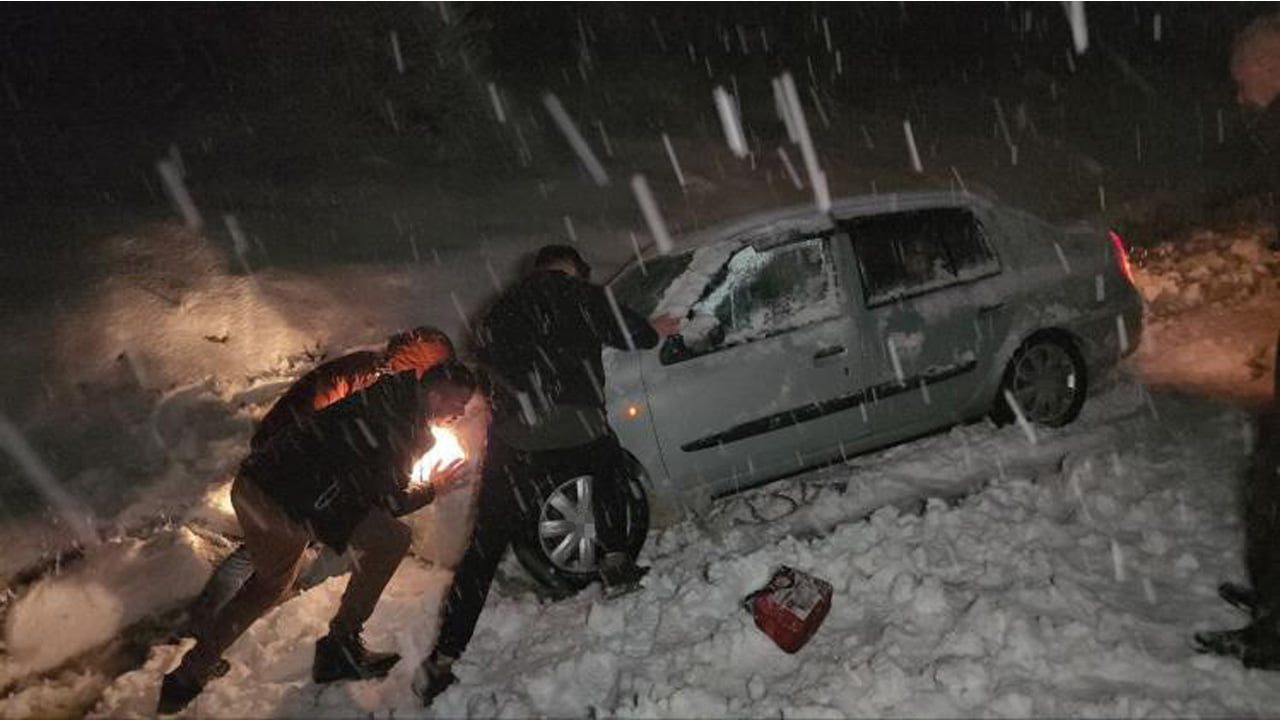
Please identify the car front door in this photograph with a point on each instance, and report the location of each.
(745, 392)
(925, 277)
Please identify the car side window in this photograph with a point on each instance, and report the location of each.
(908, 253)
(760, 293)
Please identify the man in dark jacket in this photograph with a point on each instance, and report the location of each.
(340, 477)
(1255, 67)
(1257, 644)
(541, 344)
(419, 350)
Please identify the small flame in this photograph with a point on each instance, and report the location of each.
(446, 450)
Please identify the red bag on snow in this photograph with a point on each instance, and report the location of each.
(791, 607)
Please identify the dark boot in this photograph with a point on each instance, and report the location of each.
(619, 575)
(434, 677)
(344, 657)
(179, 688)
(1242, 596)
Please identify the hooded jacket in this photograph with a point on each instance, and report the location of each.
(331, 468)
(541, 343)
(332, 381)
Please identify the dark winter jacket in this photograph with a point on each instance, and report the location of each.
(332, 381)
(339, 462)
(542, 340)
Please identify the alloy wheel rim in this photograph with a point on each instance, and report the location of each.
(1045, 383)
(567, 526)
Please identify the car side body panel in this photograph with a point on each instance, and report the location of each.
(745, 415)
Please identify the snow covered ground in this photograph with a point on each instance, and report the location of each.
(1058, 578)
(1066, 582)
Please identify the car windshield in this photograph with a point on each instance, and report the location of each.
(642, 284)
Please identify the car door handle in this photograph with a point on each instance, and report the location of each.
(990, 308)
(827, 352)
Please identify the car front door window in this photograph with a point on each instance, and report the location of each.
(761, 293)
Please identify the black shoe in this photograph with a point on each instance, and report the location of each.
(1242, 597)
(176, 692)
(1230, 643)
(620, 576)
(434, 679)
(344, 657)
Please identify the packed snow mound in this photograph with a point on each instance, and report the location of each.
(113, 586)
(1209, 268)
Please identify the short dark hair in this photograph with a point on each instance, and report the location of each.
(553, 254)
(450, 372)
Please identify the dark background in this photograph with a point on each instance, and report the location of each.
(279, 104)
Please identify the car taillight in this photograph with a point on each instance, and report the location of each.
(1122, 255)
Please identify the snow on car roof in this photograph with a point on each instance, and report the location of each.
(801, 219)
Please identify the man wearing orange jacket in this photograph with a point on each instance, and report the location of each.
(419, 350)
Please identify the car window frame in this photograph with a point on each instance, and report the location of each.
(827, 237)
(926, 289)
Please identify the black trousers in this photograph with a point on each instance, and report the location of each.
(512, 485)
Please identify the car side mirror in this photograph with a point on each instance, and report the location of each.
(705, 340)
(674, 350)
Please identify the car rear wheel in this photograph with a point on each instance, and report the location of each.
(1046, 378)
(559, 545)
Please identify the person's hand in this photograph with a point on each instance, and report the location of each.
(665, 325)
(447, 478)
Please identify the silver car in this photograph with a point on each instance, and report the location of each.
(808, 337)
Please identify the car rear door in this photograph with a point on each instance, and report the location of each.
(933, 314)
(745, 392)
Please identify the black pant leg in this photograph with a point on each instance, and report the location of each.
(610, 501)
(496, 518)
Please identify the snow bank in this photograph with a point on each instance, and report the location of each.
(1208, 268)
(111, 588)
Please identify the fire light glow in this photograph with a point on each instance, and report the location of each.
(446, 450)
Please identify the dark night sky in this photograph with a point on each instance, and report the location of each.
(68, 55)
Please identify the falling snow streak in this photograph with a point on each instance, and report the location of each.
(395, 52)
(911, 147)
(817, 178)
(68, 508)
(652, 216)
(617, 316)
(1021, 417)
(791, 169)
(675, 162)
(1079, 28)
(562, 120)
(780, 105)
(730, 122)
(498, 111)
(239, 243)
(176, 189)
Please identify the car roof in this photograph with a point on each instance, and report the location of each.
(798, 219)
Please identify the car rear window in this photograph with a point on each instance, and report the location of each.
(908, 253)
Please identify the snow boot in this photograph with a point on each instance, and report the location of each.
(1256, 645)
(179, 688)
(1241, 596)
(344, 657)
(434, 677)
(619, 575)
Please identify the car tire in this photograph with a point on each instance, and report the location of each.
(547, 527)
(1048, 379)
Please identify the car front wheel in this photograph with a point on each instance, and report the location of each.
(1046, 378)
(559, 543)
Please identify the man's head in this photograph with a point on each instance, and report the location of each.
(1255, 62)
(419, 349)
(562, 258)
(449, 387)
